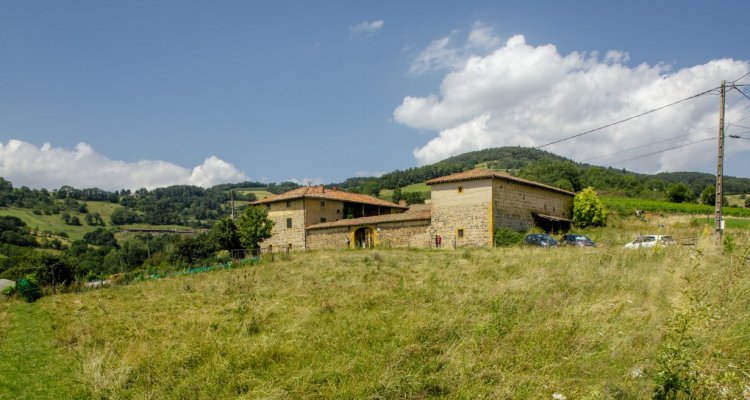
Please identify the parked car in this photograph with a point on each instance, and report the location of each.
(540, 240)
(572, 239)
(650, 241)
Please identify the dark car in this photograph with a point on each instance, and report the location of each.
(540, 239)
(572, 239)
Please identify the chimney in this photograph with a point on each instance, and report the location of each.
(402, 202)
(322, 189)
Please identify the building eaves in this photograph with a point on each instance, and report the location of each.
(480, 173)
(423, 215)
(319, 192)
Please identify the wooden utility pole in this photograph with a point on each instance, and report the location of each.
(720, 165)
(231, 192)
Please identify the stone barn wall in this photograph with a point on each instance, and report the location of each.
(514, 204)
(463, 205)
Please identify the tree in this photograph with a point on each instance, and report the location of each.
(708, 195)
(588, 209)
(224, 233)
(253, 226)
(679, 193)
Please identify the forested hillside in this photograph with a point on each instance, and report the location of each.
(545, 167)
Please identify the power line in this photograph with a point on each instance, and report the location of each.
(743, 93)
(627, 119)
(660, 151)
(740, 78)
(611, 124)
(641, 146)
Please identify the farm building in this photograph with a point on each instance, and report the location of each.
(465, 210)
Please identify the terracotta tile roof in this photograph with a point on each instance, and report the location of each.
(480, 173)
(319, 192)
(377, 219)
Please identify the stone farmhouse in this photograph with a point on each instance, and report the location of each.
(465, 210)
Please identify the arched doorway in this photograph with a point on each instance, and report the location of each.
(364, 238)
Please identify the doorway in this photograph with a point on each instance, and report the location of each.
(364, 238)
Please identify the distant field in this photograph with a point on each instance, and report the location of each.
(55, 224)
(416, 187)
(628, 205)
(259, 192)
(735, 200)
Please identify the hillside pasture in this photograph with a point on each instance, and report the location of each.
(516, 322)
(627, 206)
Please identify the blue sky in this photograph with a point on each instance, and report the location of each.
(200, 92)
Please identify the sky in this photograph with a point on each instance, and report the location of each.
(147, 94)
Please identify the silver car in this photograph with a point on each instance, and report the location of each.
(645, 241)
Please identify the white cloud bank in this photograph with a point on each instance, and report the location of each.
(513, 93)
(366, 28)
(48, 167)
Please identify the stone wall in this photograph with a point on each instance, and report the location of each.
(387, 234)
(315, 209)
(328, 238)
(514, 204)
(281, 236)
(403, 234)
(462, 206)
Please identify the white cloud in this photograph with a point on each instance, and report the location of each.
(366, 28)
(440, 54)
(521, 94)
(25, 164)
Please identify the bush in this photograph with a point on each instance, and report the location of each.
(29, 290)
(588, 210)
(507, 237)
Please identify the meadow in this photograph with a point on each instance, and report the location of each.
(518, 322)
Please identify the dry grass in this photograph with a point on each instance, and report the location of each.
(482, 323)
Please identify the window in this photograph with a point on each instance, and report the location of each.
(460, 189)
(288, 204)
(460, 233)
(338, 211)
(268, 206)
(288, 222)
(322, 219)
(322, 204)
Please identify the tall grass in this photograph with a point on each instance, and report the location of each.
(493, 323)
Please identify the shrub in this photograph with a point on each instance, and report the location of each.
(588, 209)
(507, 237)
(29, 290)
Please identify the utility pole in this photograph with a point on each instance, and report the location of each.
(720, 165)
(231, 191)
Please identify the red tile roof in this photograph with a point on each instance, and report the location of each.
(377, 219)
(480, 173)
(319, 192)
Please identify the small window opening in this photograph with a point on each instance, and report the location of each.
(460, 189)
(288, 222)
(338, 211)
(322, 204)
(460, 233)
(322, 219)
(288, 204)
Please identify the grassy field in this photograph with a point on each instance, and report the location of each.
(416, 187)
(259, 192)
(628, 205)
(736, 200)
(55, 224)
(480, 323)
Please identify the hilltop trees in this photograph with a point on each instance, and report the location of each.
(588, 209)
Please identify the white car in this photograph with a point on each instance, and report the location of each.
(650, 241)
